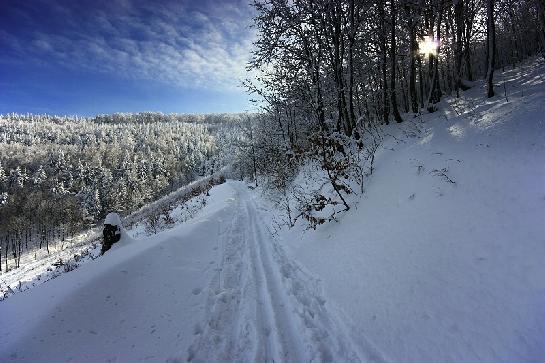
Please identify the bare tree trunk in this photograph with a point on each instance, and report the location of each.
(412, 60)
(6, 252)
(459, 21)
(352, 39)
(47, 242)
(393, 96)
(491, 48)
(383, 49)
(541, 14)
(339, 53)
(435, 88)
(469, 16)
(420, 82)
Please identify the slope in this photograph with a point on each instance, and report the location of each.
(443, 257)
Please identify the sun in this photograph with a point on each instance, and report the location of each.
(428, 46)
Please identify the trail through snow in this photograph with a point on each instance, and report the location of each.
(263, 307)
(219, 288)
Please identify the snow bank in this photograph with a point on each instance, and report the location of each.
(42, 267)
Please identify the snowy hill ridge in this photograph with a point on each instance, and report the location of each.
(441, 259)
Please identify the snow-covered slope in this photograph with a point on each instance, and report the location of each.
(448, 268)
(442, 259)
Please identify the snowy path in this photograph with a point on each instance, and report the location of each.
(217, 289)
(262, 307)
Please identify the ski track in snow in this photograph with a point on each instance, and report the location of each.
(264, 308)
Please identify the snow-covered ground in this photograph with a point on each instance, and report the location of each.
(433, 270)
(442, 259)
(217, 288)
(140, 301)
(40, 266)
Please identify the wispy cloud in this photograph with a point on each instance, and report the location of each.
(205, 46)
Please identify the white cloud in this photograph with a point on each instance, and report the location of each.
(170, 42)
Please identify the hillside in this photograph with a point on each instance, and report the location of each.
(440, 259)
(449, 268)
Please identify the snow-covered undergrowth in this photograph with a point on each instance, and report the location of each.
(442, 257)
(165, 213)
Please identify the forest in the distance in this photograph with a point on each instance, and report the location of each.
(61, 175)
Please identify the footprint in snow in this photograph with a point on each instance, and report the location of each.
(196, 291)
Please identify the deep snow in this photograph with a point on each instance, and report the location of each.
(40, 266)
(441, 259)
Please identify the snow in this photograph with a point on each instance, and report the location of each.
(40, 267)
(430, 270)
(139, 301)
(213, 289)
(113, 220)
(441, 259)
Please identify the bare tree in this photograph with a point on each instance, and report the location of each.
(541, 14)
(459, 22)
(393, 96)
(491, 48)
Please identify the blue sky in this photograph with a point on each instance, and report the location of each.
(102, 56)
